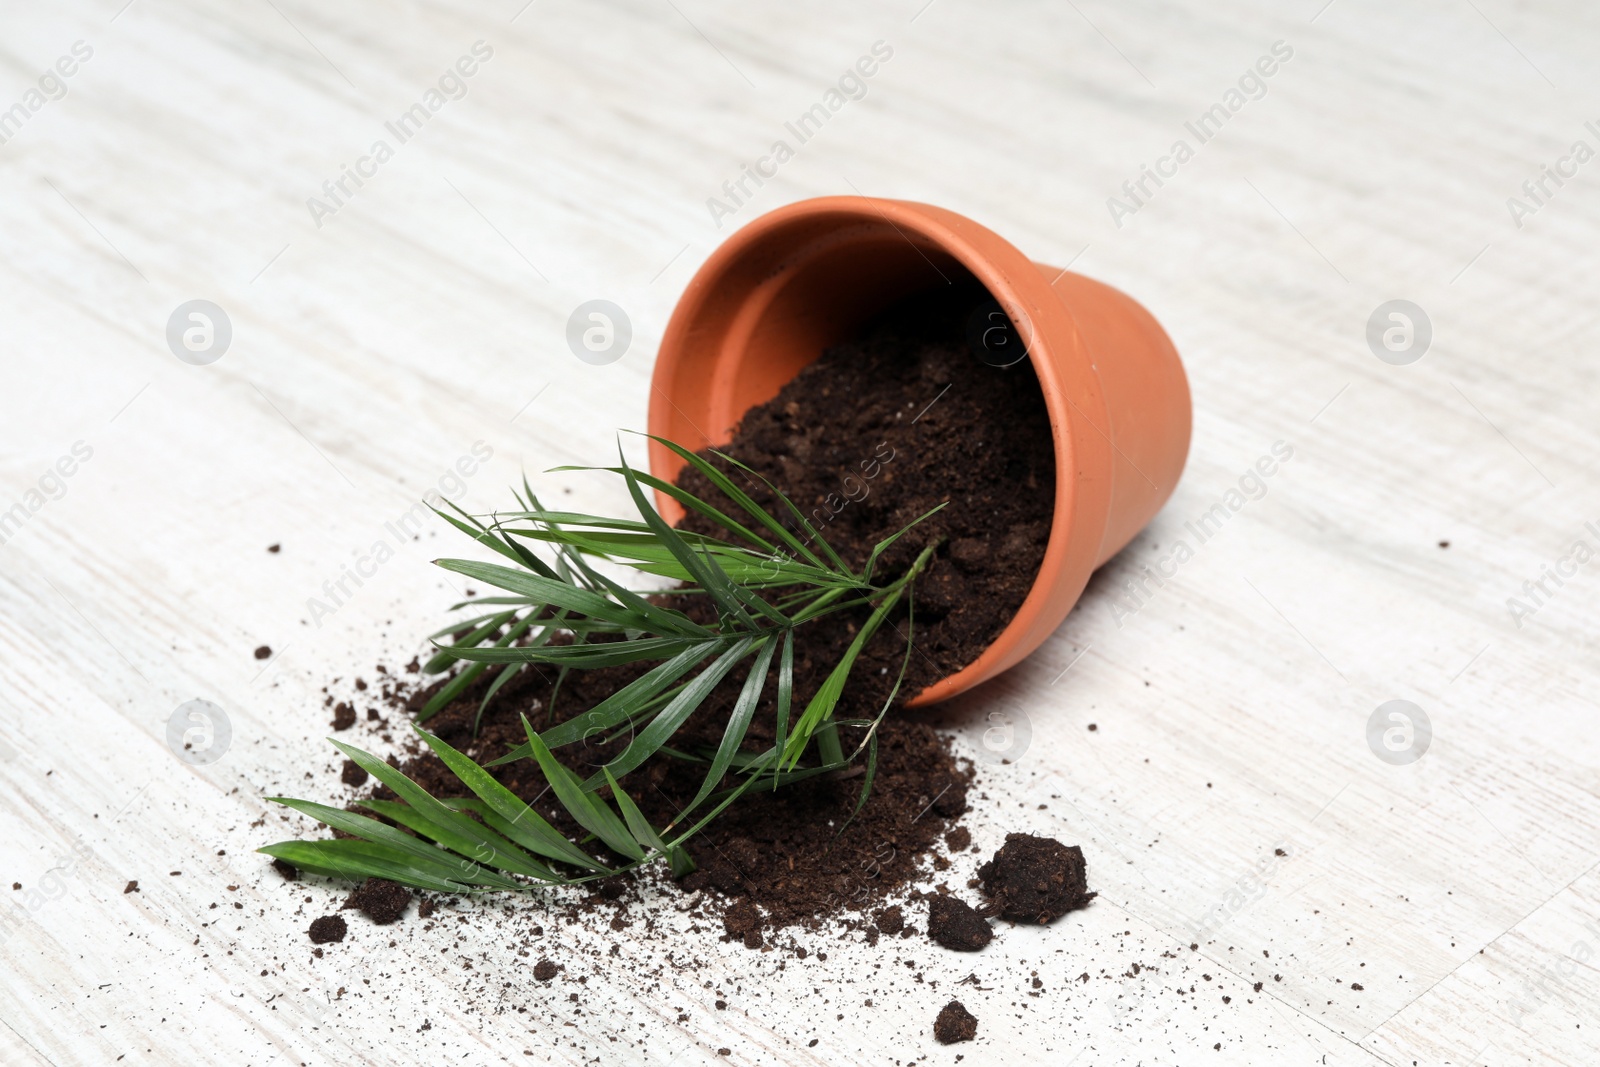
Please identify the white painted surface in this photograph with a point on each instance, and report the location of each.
(428, 314)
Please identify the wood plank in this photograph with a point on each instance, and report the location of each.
(426, 316)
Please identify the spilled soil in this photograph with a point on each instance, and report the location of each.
(878, 432)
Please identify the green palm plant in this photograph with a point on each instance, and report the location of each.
(766, 583)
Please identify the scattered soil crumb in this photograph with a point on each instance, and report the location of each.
(289, 871)
(326, 929)
(352, 774)
(544, 970)
(743, 922)
(955, 1023)
(959, 839)
(264, 652)
(344, 716)
(382, 901)
(1036, 879)
(891, 920)
(956, 925)
(131, 887)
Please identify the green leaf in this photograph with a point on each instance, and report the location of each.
(877, 549)
(680, 861)
(450, 690)
(561, 595)
(587, 809)
(785, 699)
(440, 660)
(707, 574)
(738, 724)
(358, 860)
(425, 856)
(529, 828)
(638, 826)
(605, 654)
(812, 533)
(690, 503)
(743, 499)
(457, 685)
(827, 695)
(461, 624)
(456, 832)
(502, 545)
(620, 705)
(667, 721)
(490, 851)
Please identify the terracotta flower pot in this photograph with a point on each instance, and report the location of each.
(809, 275)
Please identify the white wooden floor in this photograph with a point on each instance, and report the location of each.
(427, 312)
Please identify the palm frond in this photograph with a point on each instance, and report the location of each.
(763, 586)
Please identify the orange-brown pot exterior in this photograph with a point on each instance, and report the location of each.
(806, 276)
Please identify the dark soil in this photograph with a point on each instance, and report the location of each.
(344, 716)
(743, 922)
(327, 929)
(955, 1023)
(381, 901)
(883, 429)
(544, 970)
(1036, 879)
(352, 774)
(957, 925)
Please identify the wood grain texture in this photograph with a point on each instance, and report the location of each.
(428, 313)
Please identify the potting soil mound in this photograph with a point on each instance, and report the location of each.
(956, 925)
(1036, 879)
(955, 1023)
(381, 901)
(874, 434)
